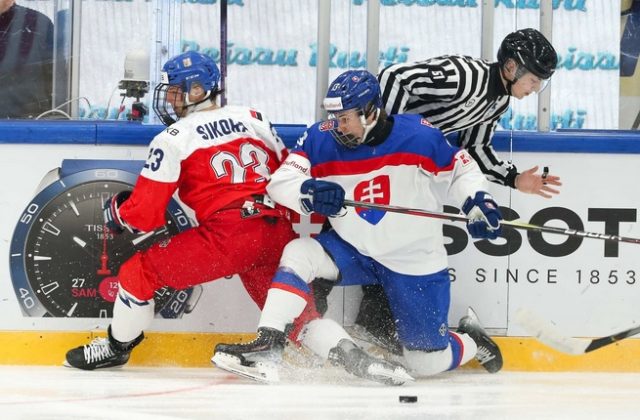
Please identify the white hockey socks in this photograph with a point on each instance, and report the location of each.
(422, 363)
(280, 309)
(469, 347)
(130, 316)
(321, 335)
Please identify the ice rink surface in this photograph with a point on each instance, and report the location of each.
(180, 393)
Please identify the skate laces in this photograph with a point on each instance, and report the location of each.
(99, 349)
(260, 337)
(484, 355)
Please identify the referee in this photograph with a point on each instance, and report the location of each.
(466, 96)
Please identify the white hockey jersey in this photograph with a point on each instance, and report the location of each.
(414, 167)
(212, 158)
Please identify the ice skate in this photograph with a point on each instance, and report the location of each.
(101, 353)
(389, 347)
(359, 363)
(488, 354)
(374, 323)
(257, 360)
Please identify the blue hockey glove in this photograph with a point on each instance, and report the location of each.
(321, 197)
(111, 211)
(484, 214)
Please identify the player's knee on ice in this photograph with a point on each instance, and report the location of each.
(427, 363)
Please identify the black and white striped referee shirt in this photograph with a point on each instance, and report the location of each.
(455, 94)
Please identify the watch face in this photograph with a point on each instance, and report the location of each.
(64, 260)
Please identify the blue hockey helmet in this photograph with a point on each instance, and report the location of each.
(189, 68)
(184, 71)
(353, 90)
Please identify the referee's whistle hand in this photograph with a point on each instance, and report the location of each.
(532, 183)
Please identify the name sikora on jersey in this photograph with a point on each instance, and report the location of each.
(219, 128)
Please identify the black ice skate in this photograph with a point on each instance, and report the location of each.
(374, 323)
(101, 353)
(388, 346)
(359, 363)
(488, 354)
(257, 360)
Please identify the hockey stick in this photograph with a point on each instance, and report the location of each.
(511, 223)
(549, 335)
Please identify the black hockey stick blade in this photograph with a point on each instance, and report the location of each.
(548, 334)
(513, 223)
(597, 343)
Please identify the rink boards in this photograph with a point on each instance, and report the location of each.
(586, 287)
(196, 349)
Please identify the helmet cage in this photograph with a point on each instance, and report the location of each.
(348, 140)
(161, 106)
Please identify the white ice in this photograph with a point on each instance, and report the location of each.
(208, 393)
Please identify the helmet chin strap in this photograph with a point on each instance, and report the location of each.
(368, 127)
(520, 71)
(509, 82)
(204, 103)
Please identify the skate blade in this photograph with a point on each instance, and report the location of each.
(471, 313)
(398, 376)
(66, 364)
(263, 372)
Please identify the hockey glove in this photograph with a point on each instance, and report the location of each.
(111, 213)
(322, 197)
(484, 214)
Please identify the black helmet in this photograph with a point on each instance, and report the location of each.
(530, 49)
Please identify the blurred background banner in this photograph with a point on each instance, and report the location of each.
(272, 49)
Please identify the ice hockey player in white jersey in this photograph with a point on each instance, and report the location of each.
(362, 154)
(465, 98)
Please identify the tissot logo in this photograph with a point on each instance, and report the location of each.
(96, 228)
(605, 220)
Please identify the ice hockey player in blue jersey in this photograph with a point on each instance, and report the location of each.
(362, 154)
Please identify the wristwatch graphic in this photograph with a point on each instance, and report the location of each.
(64, 261)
